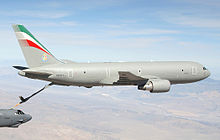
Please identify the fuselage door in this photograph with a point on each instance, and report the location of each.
(108, 74)
(70, 74)
(194, 70)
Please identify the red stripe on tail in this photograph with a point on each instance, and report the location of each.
(32, 44)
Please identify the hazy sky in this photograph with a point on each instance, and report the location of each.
(117, 30)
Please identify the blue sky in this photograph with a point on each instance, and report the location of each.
(117, 30)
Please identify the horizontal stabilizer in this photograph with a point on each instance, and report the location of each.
(20, 67)
(36, 73)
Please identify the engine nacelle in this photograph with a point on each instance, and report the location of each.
(156, 86)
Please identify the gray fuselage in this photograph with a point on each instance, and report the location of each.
(106, 74)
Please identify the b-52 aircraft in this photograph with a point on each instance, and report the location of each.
(150, 76)
(13, 118)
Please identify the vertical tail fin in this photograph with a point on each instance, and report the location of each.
(35, 53)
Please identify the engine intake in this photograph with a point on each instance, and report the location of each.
(156, 86)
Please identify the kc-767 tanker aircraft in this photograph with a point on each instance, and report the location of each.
(151, 76)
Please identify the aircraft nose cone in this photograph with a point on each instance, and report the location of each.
(28, 118)
(207, 73)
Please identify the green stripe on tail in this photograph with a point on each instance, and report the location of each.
(21, 28)
(36, 55)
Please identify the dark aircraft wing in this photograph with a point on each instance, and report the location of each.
(126, 77)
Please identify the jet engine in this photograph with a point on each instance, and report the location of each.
(156, 86)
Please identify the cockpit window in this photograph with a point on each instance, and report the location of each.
(204, 68)
(19, 112)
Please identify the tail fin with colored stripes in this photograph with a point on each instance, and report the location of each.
(35, 53)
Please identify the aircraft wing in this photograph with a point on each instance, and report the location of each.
(126, 77)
